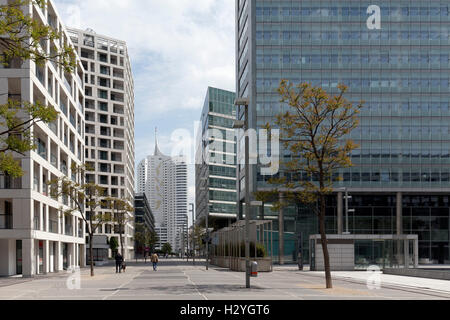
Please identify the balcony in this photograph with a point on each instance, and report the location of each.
(78, 80)
(64, 108)
(54, 160)
(64, 169)
(116, 98)
(80, 106)
(68, 230)
(7, 183)
(89, 43)
(53, 127)
(37, 225)
(72, 121)
(53, 226)
(6, 222)
(67, 85)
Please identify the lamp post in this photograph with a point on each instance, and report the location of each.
(347, 210)
(206, 223)
(238, 124)
(192, 235)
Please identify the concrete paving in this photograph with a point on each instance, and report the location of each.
(180, 280)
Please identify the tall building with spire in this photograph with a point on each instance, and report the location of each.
(163, 179)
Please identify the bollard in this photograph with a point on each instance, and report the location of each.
(254, 269)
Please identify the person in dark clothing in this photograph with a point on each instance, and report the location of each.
(119, 261)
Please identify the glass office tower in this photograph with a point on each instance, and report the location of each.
(215, 170)
(400, 180)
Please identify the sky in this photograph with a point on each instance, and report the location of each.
(177, 49)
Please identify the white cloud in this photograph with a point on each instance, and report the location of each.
(177, 47)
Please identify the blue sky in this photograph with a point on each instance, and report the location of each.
(177, 48)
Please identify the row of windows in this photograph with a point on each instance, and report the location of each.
(355, 35)
(385, 109)
(402, 132)
(377, 176)
(360, 11)
(406, 83)
(363, 58)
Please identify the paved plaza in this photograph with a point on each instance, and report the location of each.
(181, 280)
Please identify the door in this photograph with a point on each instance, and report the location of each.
(18, 256)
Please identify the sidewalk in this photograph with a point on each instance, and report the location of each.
(387, 280)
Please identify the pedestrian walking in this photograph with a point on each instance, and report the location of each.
(119, 261)
(155, 260)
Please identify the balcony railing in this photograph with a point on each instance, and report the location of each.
(6, 221)
(68, 230)
(53, 226)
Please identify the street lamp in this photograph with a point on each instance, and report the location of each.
(347, 210)
(191, 205)
(206, 223)
(239, 124)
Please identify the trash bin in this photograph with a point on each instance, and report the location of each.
(254, 269)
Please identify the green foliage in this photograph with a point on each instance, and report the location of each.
(21, 39)
(16, 119)
(166, 248)
(21, 36)
(113, 244)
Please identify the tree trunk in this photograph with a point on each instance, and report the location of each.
(121, 242)
(91, 254)
(323, 236)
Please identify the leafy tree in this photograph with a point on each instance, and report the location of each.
(113, 244)
(86, 199)
(21, 39)
(315, 131)
(120, 215)
(167, 248)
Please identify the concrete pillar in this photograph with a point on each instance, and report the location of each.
(58, 258)
(73, 260)
(46, 257)
(47, 218)
(83, 255)
(41, 216)
(340, 215)
(281, 232)
(28, 258)
(399, 215)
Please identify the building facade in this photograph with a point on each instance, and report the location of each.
(144, 219)
(165, 184)
(215, 169)
(400, 179)
(35, 237)
(109, 113)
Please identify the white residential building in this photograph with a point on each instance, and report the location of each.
(110, 146)
(164, 180)
(35, 236)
